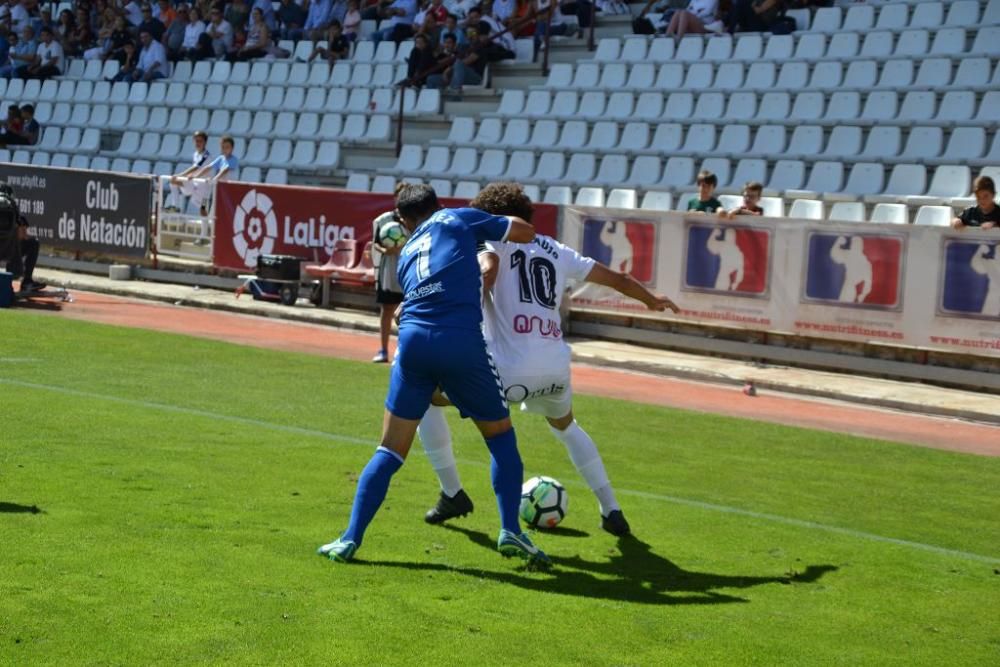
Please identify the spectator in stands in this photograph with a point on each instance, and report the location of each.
(64, 27)
(425, 24)
(476, 18)
(337, 47)
(338, 10)
(129, 63)
(151, 24)
(752, 192)
(398, 25)
(22, 52)
(133, 13)
(237, 12)
(352, 21)
(705, 202)
(192, 46)
(460, 8)
(985, 214)
(173, 38)
(258, 40)
(388, 293)
(753, 15)
(18, 16)
(119, 38)
(48, 60)
(12, 131)
(81, 37)
(4, 46)
(149, 64)
(165, 12)
(695, 19)
(556, 24)
(503, 11)
(182, 183)
(291, 18)
(317, 20)
(448, 49)
(267, 13)
(437, 9)
(40, 19)
(470, 64)
(452, 30)
(422, 58)
(224, 167)
(220, 32)
(30, 129)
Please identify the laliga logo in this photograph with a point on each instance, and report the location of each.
(255, 227)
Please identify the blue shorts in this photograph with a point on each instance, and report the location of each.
(454, 359)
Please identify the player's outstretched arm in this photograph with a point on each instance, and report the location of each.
(630, 287)
(489, 265)
(521, 231)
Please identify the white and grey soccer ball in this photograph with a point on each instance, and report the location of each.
(544, 502)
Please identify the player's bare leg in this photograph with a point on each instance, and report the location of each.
(373, 484)
(583, 452)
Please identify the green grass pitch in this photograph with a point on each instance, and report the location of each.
(183, 486)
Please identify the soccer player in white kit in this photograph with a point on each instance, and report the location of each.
(524, 336)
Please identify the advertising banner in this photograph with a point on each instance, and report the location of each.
(924, 287)
(87, 211)
(253, 219)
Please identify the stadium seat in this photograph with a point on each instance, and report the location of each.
(465, 190)
(935, 216)
(171, 147)
(749, 169)
(951, 42)
(520, 166)
(40, 158)
(923, 143)
(657, 201)
(358, 182)
(807, 140)
(590, 196)
(950, 181)
(633, 50)
(558, 194)
(866, 178)
(550, 167)
(669, 77)
(806, 209)
(384, 184)
(962, 13)
(882, 142)
(827, 19)
(79, 161)
(808, 106)
(276, 176)
(787, 175)
(890, 213)
(843, 211)
(845, 141)
(678, 173)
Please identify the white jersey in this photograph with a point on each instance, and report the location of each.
(522, 322)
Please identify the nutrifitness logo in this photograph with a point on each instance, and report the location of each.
(255, 227)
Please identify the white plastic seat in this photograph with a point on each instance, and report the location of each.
(806, 209)
(893, 16)
(650, 106)
(667, 137)
(749, 170)
(844, 45)
(807, 140)
(383, 184)
(962, 13)
(741, 106)
(699, 139)
(826, 74)
(934, 216)
(748, 48)
(653, 200)
(843, 105)
(923, 143)
(613, 170)
(845, 142)
(142, 167)
(516, 133)
(678, 173)
(608, 50)
(641, 76)
(276, 176)
(827, 19)
(699, 76)
(358, 182)
(866, 178)
(918, 106)
(40, 158)
(895, 214)
(987, 42)
(492, 164)
(883, 142)
(787, 175)
(689, 49)
(669, 77)
(536, 105)
(877, 44)
(826, 177)
(621, 198)
(972, 72)
(957, 106)
(793, 76)
(633, 50)
(881, 105)
(592, 104)
(170, 147)
(913, 43)
(565, 104)
(463, 162)
(810, 47)
(965, 143)
(808, 106)
(950, 181)
(859, 18)
(734, 140)
(907, 180)
(520, 166)
(304, 155)
(581, 168)
(585, 76)
(280, 152)
(847, 211)
(709, 106)
(779, 47)
(558, 194)
(544, 133)
(719, 48)
(79, 161)
(729, 76)
(774, 106)
(603, 136)
(646, 171)
(635, 136)
(590, 196)
(951, 42)
(573, 135)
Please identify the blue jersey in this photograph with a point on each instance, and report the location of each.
(439, 270)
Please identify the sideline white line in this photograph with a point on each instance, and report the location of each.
(18, 360)
(725, 509)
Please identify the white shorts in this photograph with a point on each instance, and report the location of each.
(549, 395)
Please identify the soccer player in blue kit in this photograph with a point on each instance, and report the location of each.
(441, 344)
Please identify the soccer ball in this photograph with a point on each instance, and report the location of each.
(543, 502)
(392, 235)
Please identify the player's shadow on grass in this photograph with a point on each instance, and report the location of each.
(634, 574)
(14, 508)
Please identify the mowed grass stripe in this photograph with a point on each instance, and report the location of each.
(809, 525)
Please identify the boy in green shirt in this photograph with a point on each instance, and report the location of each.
(705, 202)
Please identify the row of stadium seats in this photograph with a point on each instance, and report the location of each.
(802, 46)
(896, 15)
(289, 124)
(319, 73)
(884, 106)
(972, 72)
(888, 143)
(628, 198)
(793, 177)
(232, 96)
(301, 155)
(275, 175)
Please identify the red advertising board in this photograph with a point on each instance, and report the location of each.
(253, 219)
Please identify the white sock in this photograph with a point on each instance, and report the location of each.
(436, 439)
(584, 455)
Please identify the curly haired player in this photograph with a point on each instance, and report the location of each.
(524, 334)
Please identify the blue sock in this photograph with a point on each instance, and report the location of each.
(507, 473)
(372, 487)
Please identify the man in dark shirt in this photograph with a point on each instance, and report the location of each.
(705, 202)
(151, 25)
(471, 65)
(30, 129)
(292, 17)
(985, 214)
(22, 262)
